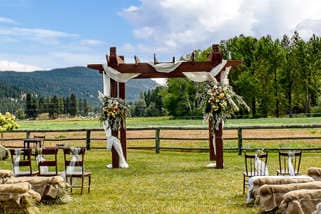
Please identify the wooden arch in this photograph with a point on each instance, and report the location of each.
(117, 89)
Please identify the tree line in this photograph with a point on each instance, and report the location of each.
(278, 77)
(55, 106)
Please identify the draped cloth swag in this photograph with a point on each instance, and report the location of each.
(111, 73)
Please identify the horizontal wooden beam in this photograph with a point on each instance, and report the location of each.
(147, 71)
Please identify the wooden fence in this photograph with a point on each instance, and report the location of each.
(87, 138)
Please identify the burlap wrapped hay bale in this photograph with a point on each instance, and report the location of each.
(315, 173)
(257, 182)
(18, 198)
(48, 187)
(4, 175)
(300, 201)
(270, 196)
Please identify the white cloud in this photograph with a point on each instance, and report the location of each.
(34, 33)
(15, 66)
(7, 20)
(179, 26)
(92, 42)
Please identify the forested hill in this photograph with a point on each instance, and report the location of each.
(83, 82)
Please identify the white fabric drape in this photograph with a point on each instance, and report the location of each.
(203, 76)
(200, 76)
(115, 143)
(166, 67)
(111, 73)
(117, 76)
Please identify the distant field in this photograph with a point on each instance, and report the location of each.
(160, 121)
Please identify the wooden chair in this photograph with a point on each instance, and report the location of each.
(18, 162)
(47, 160)
(74, 157)
(255, 165)
(42, 138)
(289, 163)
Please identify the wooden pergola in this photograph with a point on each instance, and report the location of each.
(145, 70)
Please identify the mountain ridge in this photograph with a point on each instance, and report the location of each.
(81, 81)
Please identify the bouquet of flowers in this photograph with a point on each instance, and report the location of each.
(114, 110)
(222, 103)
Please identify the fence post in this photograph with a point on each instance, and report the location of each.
(240, 140)
(28, 134)
(157, 140)
(88, 139)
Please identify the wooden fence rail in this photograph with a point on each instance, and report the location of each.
(88, 138)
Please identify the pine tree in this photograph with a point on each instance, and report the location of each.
(73, 106)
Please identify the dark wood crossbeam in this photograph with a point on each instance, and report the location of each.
(147, 71)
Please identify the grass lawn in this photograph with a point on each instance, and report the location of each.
(159, 121)
(169, 182)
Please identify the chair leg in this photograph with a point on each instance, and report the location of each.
(71, 184)
(89, 182)
(82, 184)
(243, 184)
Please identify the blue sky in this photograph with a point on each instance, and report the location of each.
(46, 34)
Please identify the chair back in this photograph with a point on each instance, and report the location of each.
(47, 160)
(289, 162)
(256, 164)
(21, 159)
(74, 158)
(40, 137)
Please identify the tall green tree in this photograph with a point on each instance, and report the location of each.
(54, 108)
(31, 110)
(73, 105)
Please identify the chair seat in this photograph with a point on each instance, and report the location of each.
(48, 174)
(253, 173)
(26, 173)
(284, 172)
(78, 174)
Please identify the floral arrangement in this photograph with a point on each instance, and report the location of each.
(114, 110)
(7, 122)
(222, 103)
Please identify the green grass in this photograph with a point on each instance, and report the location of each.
(169, 182)
(160, 121)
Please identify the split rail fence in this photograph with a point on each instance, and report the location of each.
(85, 137)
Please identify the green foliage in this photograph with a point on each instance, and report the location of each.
(179, 98)
(73, 105)
(7, 122)
(149, 104)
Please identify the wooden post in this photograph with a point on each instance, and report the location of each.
(240, 140)
(113, 93)
(211, 140)
(28, 134)
(88, 139)
(123, 142)
(157, 140)
(219, 146)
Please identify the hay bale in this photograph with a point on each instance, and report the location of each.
(50, 188)
(315, 173)
(272, 195)
(18, 198)
(300, 201)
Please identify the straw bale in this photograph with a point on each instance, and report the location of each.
(315, 173)
(270, 196)
(300, 201)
